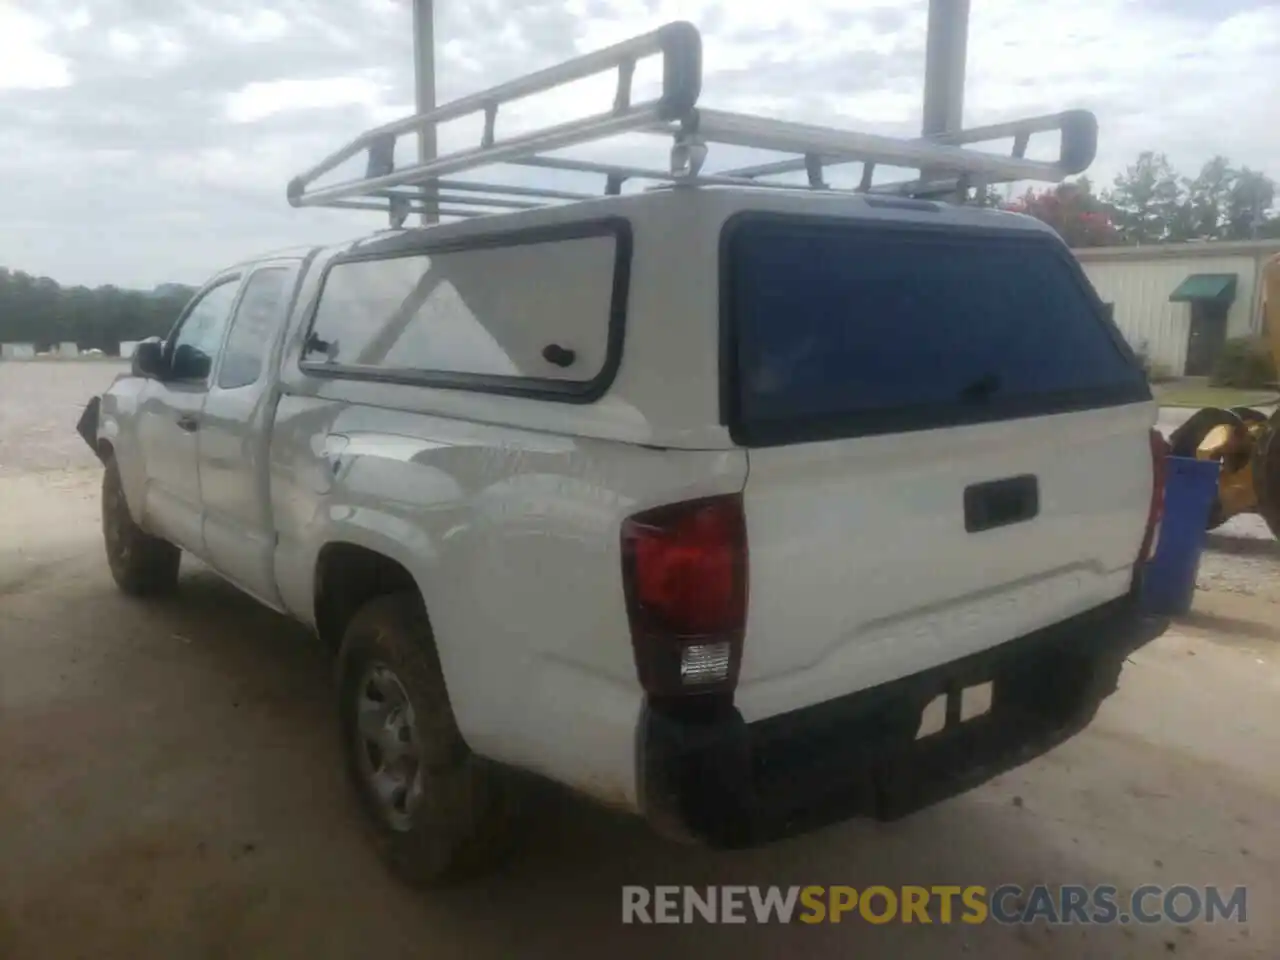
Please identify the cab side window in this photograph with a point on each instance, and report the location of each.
(198, 339)
(253, 327)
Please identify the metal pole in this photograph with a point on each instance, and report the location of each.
(944, 69)
(424, 76)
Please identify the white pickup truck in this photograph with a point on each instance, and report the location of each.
(692, 499)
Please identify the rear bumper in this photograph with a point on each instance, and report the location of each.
(708, 776)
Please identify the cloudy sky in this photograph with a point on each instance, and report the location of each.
(150, 140)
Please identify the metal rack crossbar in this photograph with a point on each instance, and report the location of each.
(952, 164)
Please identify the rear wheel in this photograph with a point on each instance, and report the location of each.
(438, 811)
(141, 564)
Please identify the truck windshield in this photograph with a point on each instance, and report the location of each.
(838, 329)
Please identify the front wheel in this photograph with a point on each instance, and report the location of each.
(438, 811)
(141, 564)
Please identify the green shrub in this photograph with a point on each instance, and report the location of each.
(1244, 362)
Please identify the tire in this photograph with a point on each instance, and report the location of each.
(1266, 475)
(142, 565)
(1217, 516)
(1184, 440)
(438, 812)
(1248, 414)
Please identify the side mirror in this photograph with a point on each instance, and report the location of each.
(148, 358)
(190, 363)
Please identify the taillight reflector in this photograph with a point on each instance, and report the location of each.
(685, 578)
(1155, 512)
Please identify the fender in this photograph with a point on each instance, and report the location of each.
(87, 425)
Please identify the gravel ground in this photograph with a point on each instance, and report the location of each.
(1244, 563)
(172, 786)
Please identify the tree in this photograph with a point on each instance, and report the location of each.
(1227, 204)
(1208, 201)
(1250, 198)
(1154, 205)
(38, 310)
(1148, 200)
(1072, 209)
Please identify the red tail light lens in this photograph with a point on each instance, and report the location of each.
(1159, 453)
(685, 578)
(687, 567)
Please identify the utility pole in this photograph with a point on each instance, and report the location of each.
(944, 71)
(424, 77)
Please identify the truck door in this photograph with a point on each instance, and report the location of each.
(169, 416)
(235, 433)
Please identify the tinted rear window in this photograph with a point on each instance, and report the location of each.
(849, 329)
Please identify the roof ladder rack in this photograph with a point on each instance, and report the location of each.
(692, 131)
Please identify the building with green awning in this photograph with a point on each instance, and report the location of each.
(1180, 302)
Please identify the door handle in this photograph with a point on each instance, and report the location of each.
(188, 423)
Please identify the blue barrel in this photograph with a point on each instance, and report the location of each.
(1191, 486)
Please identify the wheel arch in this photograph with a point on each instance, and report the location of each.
(347, 576)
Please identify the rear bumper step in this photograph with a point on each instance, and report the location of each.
(708, 776)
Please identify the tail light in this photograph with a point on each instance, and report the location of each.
(1159, 452)
(685, 577)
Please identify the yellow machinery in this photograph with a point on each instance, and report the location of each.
(1245, 441)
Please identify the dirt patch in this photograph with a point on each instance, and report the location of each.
(1226, 617)
(1248, 565)
(42, 403)
(177, 780)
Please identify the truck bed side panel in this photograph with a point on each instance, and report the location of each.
(513, 539)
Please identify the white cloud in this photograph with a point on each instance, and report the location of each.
(1157, 80)
(76, 19)
(25, 62)
(123, 44)
(257, 26)
(195, 115)
(145, 47)
(256, 101)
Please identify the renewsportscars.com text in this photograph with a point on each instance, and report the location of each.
(1006, 904)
